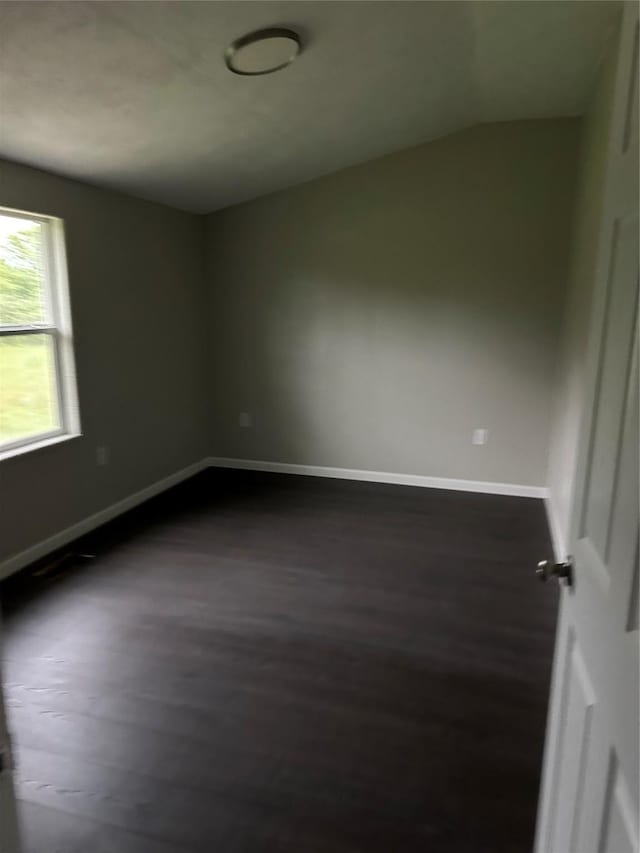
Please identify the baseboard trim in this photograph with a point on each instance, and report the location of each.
(480, 486)
(46, 546)
(555, 531)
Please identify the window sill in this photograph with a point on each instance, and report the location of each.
(41, 444)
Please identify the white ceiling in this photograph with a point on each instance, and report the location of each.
(135, 95)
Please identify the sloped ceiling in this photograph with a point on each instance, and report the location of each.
(135, 95)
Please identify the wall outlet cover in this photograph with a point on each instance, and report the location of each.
(480, 436)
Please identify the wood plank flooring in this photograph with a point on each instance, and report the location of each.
(257, 663)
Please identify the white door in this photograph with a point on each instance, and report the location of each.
(589, 798)
(8, 821)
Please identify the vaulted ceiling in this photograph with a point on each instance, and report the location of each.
(135, 95)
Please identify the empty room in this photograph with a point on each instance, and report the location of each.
(319, 427)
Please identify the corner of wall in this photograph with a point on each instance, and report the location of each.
(568, 400)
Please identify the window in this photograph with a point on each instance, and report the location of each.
(37, 378)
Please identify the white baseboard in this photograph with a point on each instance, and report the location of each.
(58, 540)
(555, 529)
(488, 488)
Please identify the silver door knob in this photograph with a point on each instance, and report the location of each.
(562, 571)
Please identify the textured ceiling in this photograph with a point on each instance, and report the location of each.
(135, 95)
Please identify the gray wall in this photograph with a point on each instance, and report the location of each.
(571, 378)
(136, 278)
(373, 318)
(370, 319)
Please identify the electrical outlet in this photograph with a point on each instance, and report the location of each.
(245, 419)
(480, 436)
(102, 455)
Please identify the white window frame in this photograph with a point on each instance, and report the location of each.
(58, 326)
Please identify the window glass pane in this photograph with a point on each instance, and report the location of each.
(21, 271)
(28, 399)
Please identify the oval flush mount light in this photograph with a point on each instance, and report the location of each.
(263, 52)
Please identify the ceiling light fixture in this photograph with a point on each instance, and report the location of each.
(263, 51)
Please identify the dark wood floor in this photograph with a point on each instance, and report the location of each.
(269, 663)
